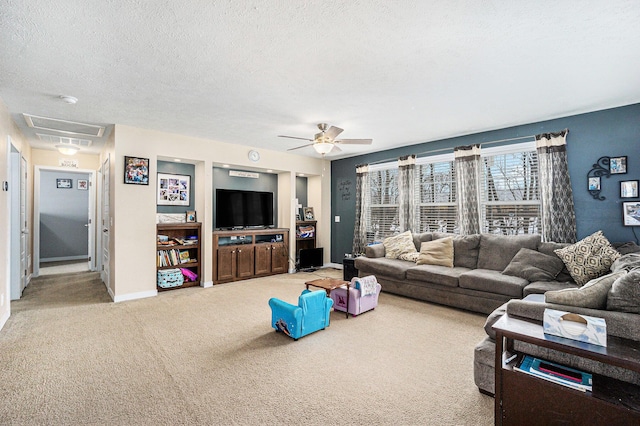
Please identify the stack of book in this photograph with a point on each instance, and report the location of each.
(556, 373)
(173, 257)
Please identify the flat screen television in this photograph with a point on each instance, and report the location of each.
(311, 258)
(241, 209)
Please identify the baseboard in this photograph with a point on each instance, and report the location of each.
(4, 319)
(206, 284)
(134, 296)
(332, 265)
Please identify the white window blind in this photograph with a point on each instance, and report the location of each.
(509, 191)
(436, 198)
(382, 215)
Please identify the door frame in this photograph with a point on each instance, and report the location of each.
(36, 213)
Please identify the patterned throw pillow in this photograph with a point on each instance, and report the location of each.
(589, 258)
(399, 244)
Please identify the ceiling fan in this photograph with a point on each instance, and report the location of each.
(325, 141)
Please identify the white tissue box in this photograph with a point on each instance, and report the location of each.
(576, 327)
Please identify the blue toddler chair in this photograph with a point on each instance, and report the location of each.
(311, 314)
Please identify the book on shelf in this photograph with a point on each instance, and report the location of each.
(184, 256)
(555, 373)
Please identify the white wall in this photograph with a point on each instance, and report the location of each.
(134, 206)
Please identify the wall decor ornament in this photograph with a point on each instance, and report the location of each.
(629, 189)
(83, 184)
(618, 165)
(631, 213)
(594, 177)
(173, 190)
(136, 170)
(64, 183)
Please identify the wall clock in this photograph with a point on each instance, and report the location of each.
(254, 155)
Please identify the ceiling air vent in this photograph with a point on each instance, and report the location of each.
(56, 140)
(63, 126)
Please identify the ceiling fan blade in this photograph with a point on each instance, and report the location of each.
(333, 132)
(355, 141)
(295, 137)
(298, 147)
(336, 148)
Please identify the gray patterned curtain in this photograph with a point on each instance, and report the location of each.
(467, 165)
(407, 193)
(558, 214)
(362, 191)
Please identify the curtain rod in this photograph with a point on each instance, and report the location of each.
(451, 149)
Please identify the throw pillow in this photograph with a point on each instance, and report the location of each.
(589, 258)
(591, 295)
(437, 252)
(624, 295)
(534, 266)
(398, 244)
(411, 257)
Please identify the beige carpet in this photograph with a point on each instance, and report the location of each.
(209, 356)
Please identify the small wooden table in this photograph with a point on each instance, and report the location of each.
(329, 284)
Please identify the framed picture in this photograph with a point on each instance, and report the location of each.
(308, 213)
(629, 189)
(594, 183)
(136, 170)
(64, 183)
(618, 165)
(173, 190)
(83, 184)
(191, 216)
(631, 213)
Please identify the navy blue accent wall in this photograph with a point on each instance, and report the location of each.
(174, 168)
(266, 182)
(613, 132)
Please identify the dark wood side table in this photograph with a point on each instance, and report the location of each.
(521, 399)
(329, 284)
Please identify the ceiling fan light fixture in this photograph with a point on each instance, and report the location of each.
(323, 147)
(67, 149)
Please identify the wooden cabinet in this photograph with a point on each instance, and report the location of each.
(246, 254)
(180, 250)
(305, 235)
(522, 399)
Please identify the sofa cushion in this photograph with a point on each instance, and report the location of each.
(589, 258)
(465, 249)
(492, 318)
(591, 295)
(436, 274)
(375, 250)
(496, 251)
(399, 244)
(418, 239)
(492, 282)
(541, 287)
(624, 295)
(626, 248)
(392, 268)
(549, 248)
(437, 252)
(534, 266)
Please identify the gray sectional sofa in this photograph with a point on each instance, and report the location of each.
(476, 281)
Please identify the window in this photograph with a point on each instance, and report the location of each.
(509, 192)
(382, 215)
(436, 197)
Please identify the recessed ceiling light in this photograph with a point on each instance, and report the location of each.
(225, 165)
(69, 99)
(269, 171)
(177, 160)
(300, 174)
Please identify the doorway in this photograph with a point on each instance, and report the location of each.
(64, 218)
(19, 247)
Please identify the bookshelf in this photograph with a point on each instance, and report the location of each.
(182, 250)
(522, 399)
(305, 240)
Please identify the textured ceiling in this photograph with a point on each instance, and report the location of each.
(400, 72)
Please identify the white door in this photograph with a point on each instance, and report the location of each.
(105, 222)
(24, 226)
